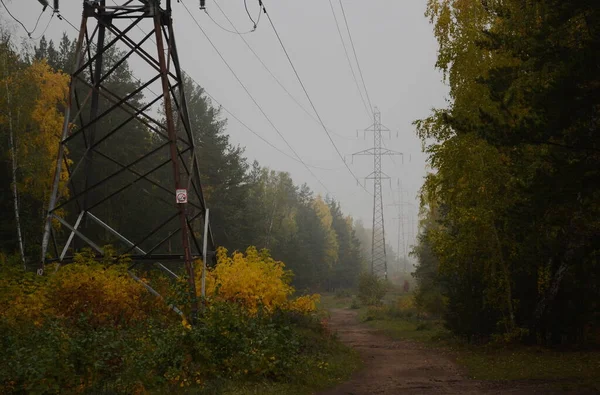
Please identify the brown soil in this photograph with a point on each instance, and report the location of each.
(406, 367)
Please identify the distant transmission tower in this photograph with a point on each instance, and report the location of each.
(128, 149)
(403, 242)
(378, 253)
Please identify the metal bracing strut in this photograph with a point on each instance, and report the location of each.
(128, 150)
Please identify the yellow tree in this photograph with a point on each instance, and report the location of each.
(32, 106)
(44, 93)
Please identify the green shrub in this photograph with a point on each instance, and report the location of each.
(371, 289)
(355, 304)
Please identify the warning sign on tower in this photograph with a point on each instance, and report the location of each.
(181, 196)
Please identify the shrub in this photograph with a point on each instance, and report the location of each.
(371, 289)
(374, 313)
(90, 328)
(106, 294)
(254, 281)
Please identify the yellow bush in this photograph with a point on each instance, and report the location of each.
(253, 279)
(106, 294)
(305, 304)
(109, 295)
(406, 303)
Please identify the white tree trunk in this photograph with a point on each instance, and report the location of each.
(13, 155)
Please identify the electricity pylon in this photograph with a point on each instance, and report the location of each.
(402, 218)
(128, 150)
(378, 253)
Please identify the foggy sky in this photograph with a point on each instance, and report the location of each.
(396, 50)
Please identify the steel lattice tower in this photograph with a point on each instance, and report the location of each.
(378, 253)
(129, 150)
(402, 218)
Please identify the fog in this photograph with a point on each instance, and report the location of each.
(396, 50)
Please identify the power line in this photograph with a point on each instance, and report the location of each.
(253, 99)
(222, 106)
(224, 28)
(349, 61)
(29, 33)
(37, 22)
(355, 55)
(236, 30)
(250, 16)
(310, 100)
(46, 28)
(65, 19)
(273, 75)
(250, 129)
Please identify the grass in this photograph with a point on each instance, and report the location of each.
(568, 369)
(340, 365)
(341, 362)
(410, 329)
(331, 301)
(494, 362)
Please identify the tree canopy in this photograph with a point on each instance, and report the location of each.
(512, 207)
(250, 205)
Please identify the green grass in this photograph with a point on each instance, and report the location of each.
(407, 329)
(331, 301)
(572, 369)
(340, 365)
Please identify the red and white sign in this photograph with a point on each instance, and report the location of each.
(181, 196)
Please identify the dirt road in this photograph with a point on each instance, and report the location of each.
(406, 367)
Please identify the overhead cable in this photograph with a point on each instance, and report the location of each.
(356, 56)
(249, 128)
(222, 106)
(311, 102)
(29, 33)
(46, 28)
(273, 75)
(253, 99)
(369, 111)
(236, 31)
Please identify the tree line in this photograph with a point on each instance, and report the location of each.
(251, 205)
(510, 228)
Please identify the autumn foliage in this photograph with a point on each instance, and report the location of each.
(107, 331)
(106, 295)
(38, 95)
(255, 281)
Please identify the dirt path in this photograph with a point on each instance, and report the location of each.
(406, 367)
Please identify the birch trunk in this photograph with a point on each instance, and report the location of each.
(13, 157)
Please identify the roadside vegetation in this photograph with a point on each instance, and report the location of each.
(90, 328)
